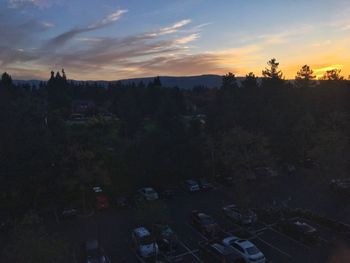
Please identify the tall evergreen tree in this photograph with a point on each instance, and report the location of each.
(305, 77)
(250, 81)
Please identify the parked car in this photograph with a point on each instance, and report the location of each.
(204, 223)
(100, 198)
(94, 253)
(164, 231)
(97, 189)
(245, 249)
(217, 253)
(122, 202)
(265, 172)
(148, 193)
(224, 180)
(240, 215)
(144, 243)
(166, 194)
(298, 229)
(101, 201)
(341, 186)
(165, 237)
(69, 213)
(192, 186)
(205, 184)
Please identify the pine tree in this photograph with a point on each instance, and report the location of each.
(272, 72)
(305, 77)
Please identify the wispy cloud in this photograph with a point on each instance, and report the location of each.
(61, 39)
(23, 3)
(187, 39)
(175, 27)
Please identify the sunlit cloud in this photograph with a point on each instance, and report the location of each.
(344, 27)
(175, 27)
(35, 45)
(319, 72)
(187, 39)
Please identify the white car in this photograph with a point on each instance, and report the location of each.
(241, 216)
(97, 189)
(148, 193)
(144, 243)
(245, 248)
(192, 185)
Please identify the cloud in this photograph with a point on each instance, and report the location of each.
(175, 27)
(23, 3)
(187, 39)
(345, 27)
(63, 38)
(107, 20)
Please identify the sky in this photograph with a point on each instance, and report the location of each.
(118, 39)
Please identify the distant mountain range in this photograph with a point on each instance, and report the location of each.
(209, 81)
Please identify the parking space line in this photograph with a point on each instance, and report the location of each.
(186, 253)
(274, 247)
(191, 252)
(255, 235)
(289, 238)
(198, 232)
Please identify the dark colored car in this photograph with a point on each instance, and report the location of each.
(204, 224)
(164, 231)
(205, 184)
(94, 253)
(265, 172)
(225, 180)
(217, 253)
(298, 229)
(240, 215)
(166, 194)
(341, 186)
(165, 237)
(122, 202)
(69, 213)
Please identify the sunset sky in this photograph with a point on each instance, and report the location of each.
(116, 39)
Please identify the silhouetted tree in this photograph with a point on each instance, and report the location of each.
(333, 74)
(305, 77)
(250, 81)
(229, 81)
(157, 82)
(272, 72)
(272, 76)
(6, 80)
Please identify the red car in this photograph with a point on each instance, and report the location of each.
(101, 202)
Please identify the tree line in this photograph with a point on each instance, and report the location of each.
(162, 135)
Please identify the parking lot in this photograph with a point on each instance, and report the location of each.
(113, 228)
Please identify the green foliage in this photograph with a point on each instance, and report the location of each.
(241, 151)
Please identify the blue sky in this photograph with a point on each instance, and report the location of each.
(114, 39)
